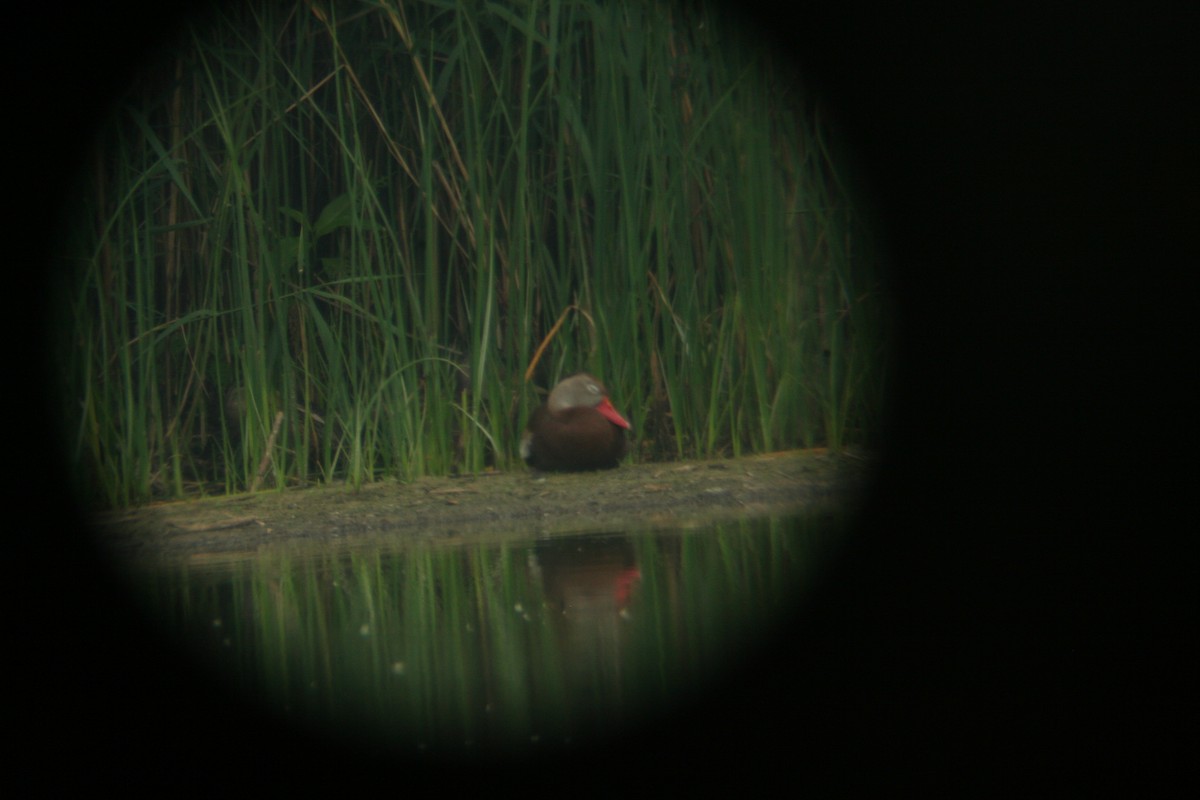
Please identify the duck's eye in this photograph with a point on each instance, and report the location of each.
(593, 388)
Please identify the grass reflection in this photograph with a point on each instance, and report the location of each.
(497, 648)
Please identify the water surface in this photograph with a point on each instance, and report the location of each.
(494, 647)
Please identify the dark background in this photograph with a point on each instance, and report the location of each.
(1019, 607)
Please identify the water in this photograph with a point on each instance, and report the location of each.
(538, 644)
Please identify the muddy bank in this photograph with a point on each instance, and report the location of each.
(493, 505)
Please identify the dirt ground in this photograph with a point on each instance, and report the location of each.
(488, 505)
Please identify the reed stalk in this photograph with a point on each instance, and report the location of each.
(367, 219)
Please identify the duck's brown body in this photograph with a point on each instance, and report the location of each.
(576, 429)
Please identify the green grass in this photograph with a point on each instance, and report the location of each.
(368, 219)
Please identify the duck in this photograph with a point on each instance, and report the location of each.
(576, 429)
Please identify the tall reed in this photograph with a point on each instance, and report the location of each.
(327, 242)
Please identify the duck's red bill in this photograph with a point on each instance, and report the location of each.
(611, 414)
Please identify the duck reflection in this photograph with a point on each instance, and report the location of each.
(590, 585)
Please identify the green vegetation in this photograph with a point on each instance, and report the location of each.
(325, 242)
